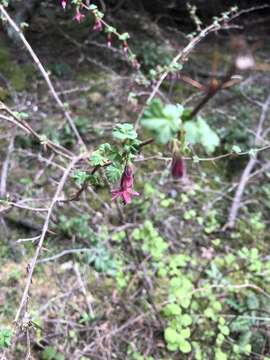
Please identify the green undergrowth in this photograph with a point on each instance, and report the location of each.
(18, 75)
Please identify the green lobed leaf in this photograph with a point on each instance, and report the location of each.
(171, 335)
(185, 347)
(97, 158)
(122, 132)
(113, 172)
(5, 338)
(199, 132)
(164, 121)
(172, 309)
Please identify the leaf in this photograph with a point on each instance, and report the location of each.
(154, 123)
(236, 149)
(97, 158)
(220, 355)
(185, 333)
(100, 156)
(252, 152)
(185, 302)
(105, 148)
(185, 347)
(165, 135)
(171, 335)
(224, 330)
(199, 132)
(172, 346)
(209, 313)
(186, 320)
(163, 121)
(5, 338)
(241, 325)
(192, 133)
(172, 309)
(253, 302)
(124, 132)
(113, 172)
(48, 353)
(93, 7)
(123, 37)
(79, 177)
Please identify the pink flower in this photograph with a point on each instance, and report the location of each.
(64, 4)
(109, 40)
(125, 192)
(78, 16)
(125, 47)
(127, 178)
(136, 65)
(178, 167)
(207, 253)
(98, 25)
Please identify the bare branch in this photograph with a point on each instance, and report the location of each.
(6, 163)
(236, 204)
(44, 74)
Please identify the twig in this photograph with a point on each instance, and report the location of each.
(63, 253)
(28, 340)
(33, 239)
(236, 203)
(44, 74)
(4, 173)
(14, 119)
(83, 289)
(241, 286)
(84, 186)
(181, 57)
(212, 92)
(11, 204)
(89, 59)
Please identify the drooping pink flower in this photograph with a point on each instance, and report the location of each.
(125, 47)
(109, 40)
(178, 167)
(78, 16)
(136, 65)
(127, 178)
(98, 25)
(64, 4)
(207, 253)
(125, 192)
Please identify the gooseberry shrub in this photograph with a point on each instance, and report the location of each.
(204, 311)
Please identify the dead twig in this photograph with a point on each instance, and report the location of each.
(14, 119)
(5, 167)
(44, 74)
(236, 203)
(83, 290)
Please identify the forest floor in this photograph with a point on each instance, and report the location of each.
(108, 275)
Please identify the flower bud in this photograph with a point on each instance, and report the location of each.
(78, 16)
(98, 25)
(127, 178)
(109, 40)
(64, 4)
(178, 167)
